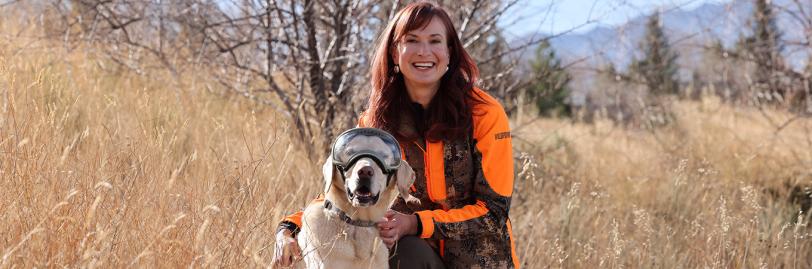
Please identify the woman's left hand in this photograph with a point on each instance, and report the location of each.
(395, 225)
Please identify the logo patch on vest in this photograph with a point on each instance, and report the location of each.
(503, 135)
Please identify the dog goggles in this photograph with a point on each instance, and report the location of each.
(376, 144)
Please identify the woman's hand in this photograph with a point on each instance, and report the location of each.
(395, 225)
(286, 251)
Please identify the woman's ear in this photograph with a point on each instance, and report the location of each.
(393, 53)
(405, 179)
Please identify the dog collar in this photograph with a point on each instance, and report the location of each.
(343, 216)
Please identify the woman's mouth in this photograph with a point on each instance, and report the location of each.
(423, 65)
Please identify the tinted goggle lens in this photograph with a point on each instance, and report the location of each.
(374, 143)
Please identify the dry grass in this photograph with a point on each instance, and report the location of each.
(109, 169)
(105, 169)
(710, 191)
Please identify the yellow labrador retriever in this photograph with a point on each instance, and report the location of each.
(362, 178)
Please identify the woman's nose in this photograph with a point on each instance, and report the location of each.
(422, 49)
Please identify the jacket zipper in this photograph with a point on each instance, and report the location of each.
(427, 165)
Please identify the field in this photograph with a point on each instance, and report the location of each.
(100, 167)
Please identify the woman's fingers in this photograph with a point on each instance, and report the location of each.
(391, 228)
(384, 225)
(296, 252)
(389, 237)
(286, 250)
(293, 253)
(277, 258)
(387, 233)
(389, 223)
(285, 260)
(280, 259)
(389, 241)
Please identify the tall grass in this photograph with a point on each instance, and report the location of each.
(712, 190)
(103, 168)
(100, 167)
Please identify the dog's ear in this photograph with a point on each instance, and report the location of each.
(327, 170)
(405, 179)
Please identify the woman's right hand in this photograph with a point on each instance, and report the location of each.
(287, 250)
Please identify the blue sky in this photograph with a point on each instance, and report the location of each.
(555, 16)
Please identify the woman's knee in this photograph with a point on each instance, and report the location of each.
(413, 252)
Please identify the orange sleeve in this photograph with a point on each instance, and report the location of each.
(430, 218)
(293, 221)
(492, 133)
(295, 218)
(492, 186)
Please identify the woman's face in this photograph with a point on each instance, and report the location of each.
(422, 55)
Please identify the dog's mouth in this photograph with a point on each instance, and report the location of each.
(362, 197)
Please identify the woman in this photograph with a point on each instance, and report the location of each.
(455, 136)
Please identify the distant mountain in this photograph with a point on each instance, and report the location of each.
(688, 31)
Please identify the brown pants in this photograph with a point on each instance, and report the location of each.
(412, 252)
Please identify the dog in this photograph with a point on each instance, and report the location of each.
(362, 178)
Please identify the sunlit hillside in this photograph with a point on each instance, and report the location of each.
(100, 167)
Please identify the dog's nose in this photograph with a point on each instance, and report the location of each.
(365, 172)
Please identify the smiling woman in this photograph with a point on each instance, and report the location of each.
(455, 136)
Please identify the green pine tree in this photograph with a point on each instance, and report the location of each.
(763, 48)
(658, 68)
(550, 92)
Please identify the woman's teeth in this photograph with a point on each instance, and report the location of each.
(423, 66)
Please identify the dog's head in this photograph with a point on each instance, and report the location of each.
(365, 164)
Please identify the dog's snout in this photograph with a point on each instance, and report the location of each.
(365, 172)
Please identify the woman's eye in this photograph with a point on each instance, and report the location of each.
(436, 41)
(410, 40)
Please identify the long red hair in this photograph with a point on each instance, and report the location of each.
(450, 111)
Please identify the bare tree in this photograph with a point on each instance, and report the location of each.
(801, 13)
(306, 59)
